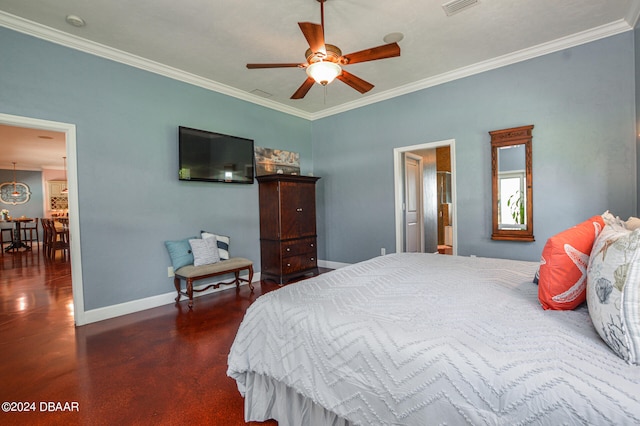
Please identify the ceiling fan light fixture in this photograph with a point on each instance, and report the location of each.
(324, 72)
(324, 61)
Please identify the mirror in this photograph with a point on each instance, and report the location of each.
(512, 202)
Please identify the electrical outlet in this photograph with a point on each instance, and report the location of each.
(383, 251)
(170, 271)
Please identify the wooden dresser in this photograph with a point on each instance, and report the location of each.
(288, 246)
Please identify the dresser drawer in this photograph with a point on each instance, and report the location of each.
(298, 247)
(299, 263)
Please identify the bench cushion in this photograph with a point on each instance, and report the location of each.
(191, 271)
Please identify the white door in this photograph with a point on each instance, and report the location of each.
(413, 203)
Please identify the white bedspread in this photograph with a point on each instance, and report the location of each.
(420, 339)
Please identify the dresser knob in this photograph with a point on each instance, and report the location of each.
(288, 249)
(311, 244)
(299, 210)
(288, 264)
(313, 258)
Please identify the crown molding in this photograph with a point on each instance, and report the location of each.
(55, 36)
(573, 40)
(633, 14)
(34, 29)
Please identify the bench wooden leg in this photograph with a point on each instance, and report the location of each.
(190, 292)
(176, 283)
(251, 277)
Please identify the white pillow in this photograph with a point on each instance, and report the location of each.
(613, 289)
(632, 223)
(205, 251)
(222, 241)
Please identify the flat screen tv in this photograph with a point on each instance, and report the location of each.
(214, 157)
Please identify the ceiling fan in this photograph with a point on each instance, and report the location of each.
(324, 60)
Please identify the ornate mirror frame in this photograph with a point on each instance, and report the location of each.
(6, 190)
(504, 139)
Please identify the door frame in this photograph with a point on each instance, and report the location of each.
(72, 184)
(398, 184)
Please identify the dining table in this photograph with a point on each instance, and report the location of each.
(16, 241)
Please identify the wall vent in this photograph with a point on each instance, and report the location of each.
(261, 93)
(456, 6)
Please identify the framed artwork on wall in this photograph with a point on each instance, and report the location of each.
(276, 161)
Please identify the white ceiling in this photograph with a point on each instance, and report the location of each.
(31, 149)
(209, 42)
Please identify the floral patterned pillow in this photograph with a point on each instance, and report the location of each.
(613, 289)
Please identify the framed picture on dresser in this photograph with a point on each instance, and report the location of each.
(276, 161)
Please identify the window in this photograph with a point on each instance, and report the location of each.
(512, 200)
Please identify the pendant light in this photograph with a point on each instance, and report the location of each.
(15, 192)
(66, 189)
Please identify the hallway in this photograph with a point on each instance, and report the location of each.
(166, 365)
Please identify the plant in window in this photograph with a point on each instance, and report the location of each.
(516, 206)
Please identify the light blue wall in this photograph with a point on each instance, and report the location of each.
(581, 102)
(130, 199)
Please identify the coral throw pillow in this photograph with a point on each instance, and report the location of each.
(563, 267)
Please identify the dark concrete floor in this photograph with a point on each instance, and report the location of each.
(162, 366)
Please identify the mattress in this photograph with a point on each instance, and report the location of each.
(417, 339)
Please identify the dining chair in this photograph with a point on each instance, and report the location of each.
(46, 236)
(6, 236)
(61, 242)
(56, 239)
(30, 229)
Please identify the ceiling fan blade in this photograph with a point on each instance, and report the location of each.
(256, 66)
(314, 35)
(302, 90)
(381, 52)
(356, 82)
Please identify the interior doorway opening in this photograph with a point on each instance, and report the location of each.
(69, 131)
(438, 197)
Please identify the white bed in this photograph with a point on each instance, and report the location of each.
(421, 339)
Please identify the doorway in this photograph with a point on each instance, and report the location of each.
(438, 196)
(69, 131)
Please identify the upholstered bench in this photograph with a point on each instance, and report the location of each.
(192, 273)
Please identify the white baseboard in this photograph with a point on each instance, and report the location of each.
(101, 314)
(133, 306)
